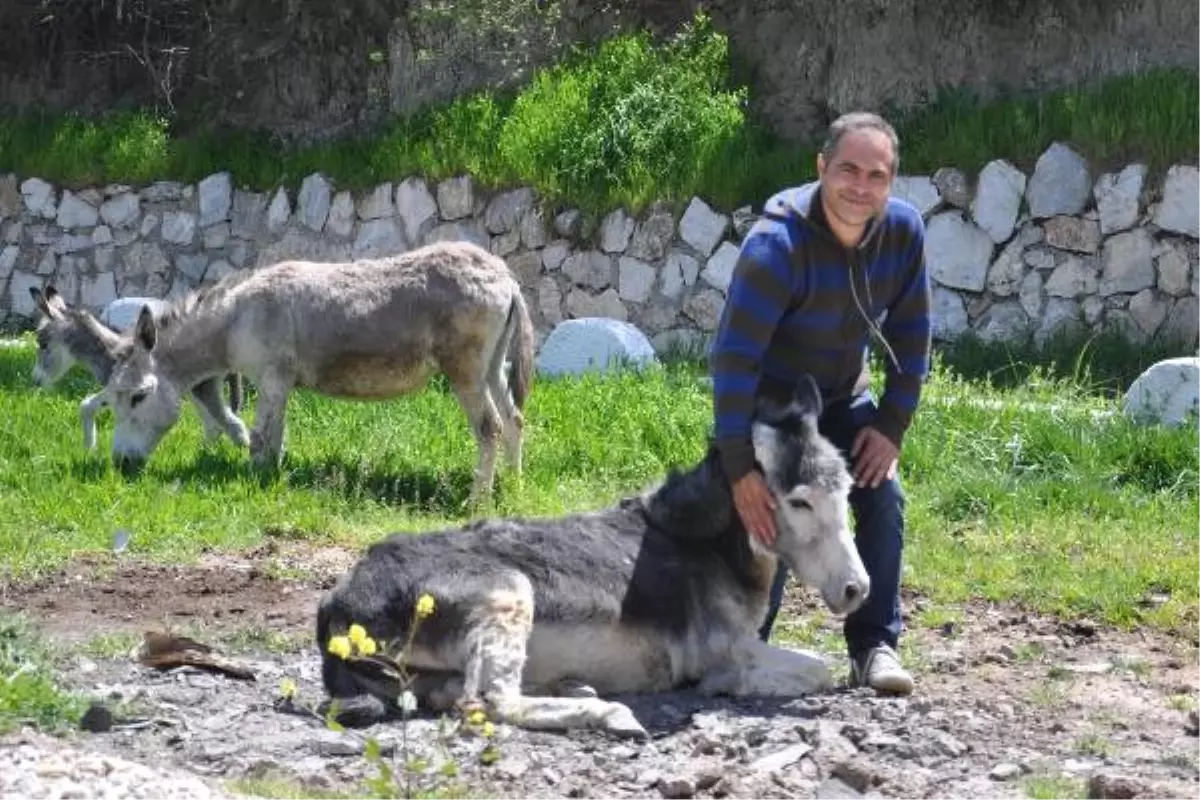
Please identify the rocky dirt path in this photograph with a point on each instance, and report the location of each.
(1008, 705)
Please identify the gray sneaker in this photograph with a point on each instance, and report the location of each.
(880, 669)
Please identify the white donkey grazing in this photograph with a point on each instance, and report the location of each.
(67, 336)
(370, 329)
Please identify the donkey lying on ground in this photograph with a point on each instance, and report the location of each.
(367, 329)
(67, 336)
(661, 591)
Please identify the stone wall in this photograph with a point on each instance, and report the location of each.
(1011, 255)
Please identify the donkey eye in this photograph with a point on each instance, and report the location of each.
(800, 503)
(137, 398)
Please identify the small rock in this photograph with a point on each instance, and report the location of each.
(780, 759)
(1103, 786)
(834, 789)
(808, 708)
(756, 736)
(97, 719)
(855, 772)
(1193, 723)
(512, 768)
(676, 788)
(948, 745)
(1005, 771)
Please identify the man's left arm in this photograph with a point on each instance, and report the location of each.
(908, 330)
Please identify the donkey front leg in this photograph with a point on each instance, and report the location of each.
(215, 415)
(266, 440)
(495, 644)
(87, 417)
(760, 669)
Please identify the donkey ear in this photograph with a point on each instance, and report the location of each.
(42, 300)
(808, 395)
(54, 299)
(146, 330)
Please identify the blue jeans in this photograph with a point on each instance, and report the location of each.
(879, 536)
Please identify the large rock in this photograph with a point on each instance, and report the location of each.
(456, 197)
(505, 210)
(1128, 263)
(615, 231)
(635, 279)
(1118, 198)
(1008, 270)
(215, 198)
(1174, 261)
(121, 210)
(341, 215)
(1072, 279)
(279, 211)
(653, 236)
(1060, 183)
(1003, 322)
(39, 198)
(701, 227)
(1179, 210)
(314, 200)
(957, 252)
(377, 204)
(918, 191)
(1073, 233)
(590, 268)
(417, 208)
(75, 212)
(121, 313)
(998, 199)
(1167, 393)
(949, 314)
(590, 344)
(718, 272)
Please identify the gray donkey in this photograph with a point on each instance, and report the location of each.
(370, 329)
(68, 336)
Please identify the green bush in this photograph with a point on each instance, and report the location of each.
(631, 123)
(626, 123)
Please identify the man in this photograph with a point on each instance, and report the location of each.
(820, 267)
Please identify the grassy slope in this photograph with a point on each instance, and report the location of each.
(1038, 494)
(597, 135)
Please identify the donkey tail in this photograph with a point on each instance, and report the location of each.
(520, 349)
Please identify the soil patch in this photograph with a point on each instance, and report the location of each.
(1008, 703)
(276, 586)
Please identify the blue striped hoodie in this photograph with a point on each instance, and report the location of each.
(796, 304)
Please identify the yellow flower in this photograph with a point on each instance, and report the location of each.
(339, 646)
(287, 688)
(357, 633)
(477, 717)
(489, 730)
(425, 605)
(367, 646)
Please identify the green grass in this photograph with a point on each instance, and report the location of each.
(626, 123)
(1049, 787)
(1039, 494)
(29, 694)
(355, 471)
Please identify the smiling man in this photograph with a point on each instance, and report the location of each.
(829, 267)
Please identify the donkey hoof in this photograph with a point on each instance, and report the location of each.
(621, 722)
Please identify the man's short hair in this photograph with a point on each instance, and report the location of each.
(858, 121)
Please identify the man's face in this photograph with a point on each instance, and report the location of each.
(858, 176)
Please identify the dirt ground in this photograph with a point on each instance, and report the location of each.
(1008, 704)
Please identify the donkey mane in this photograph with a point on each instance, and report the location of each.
(186, 305)
(694, 504)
